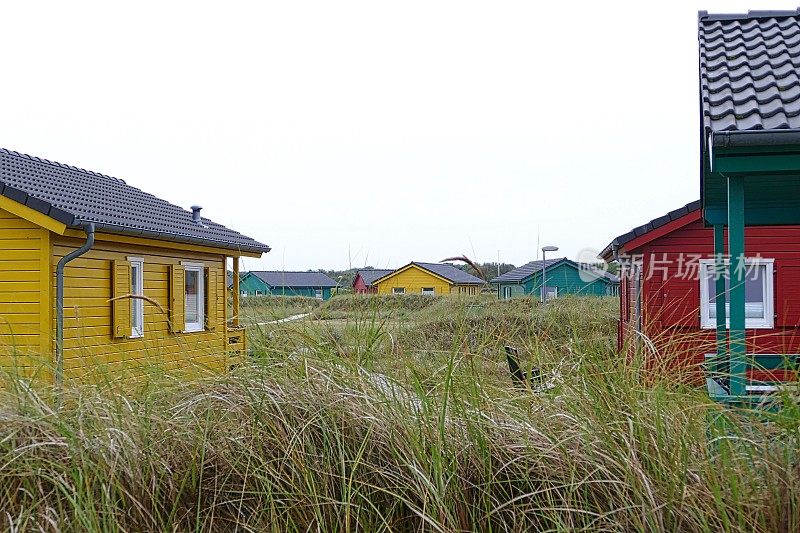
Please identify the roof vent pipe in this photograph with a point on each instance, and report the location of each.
(196, 213)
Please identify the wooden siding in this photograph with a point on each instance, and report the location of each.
(413, 279)
(564, 276)
(251, 284)
(89, 347)
(24, 295)
(671, 304)
(359, 287)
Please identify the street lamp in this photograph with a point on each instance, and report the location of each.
(545, 249)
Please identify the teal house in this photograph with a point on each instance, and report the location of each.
(280, 283)
(562, 276)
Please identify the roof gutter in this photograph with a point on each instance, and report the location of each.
(746, 138)
(89, 229)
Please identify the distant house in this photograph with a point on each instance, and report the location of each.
(280, 283)
(98, 276)
(432, 279)
(563, 276)
(364, 283)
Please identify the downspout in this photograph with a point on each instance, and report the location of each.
(89, 229)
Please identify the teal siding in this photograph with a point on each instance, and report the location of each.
(565, 277)
(251, 284)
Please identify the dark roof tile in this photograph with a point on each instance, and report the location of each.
(748, 70)
(369, 275)
(522, 273)
(650, 226)
(279, 278)
(74, 196)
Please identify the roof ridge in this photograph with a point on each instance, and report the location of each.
(705, 16)
(60, 165)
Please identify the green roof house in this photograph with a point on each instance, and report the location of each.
(280, 283)
(562, 276)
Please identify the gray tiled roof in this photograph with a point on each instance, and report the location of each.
(74, 196)
(527, 270)
(447, 271)
(650, 226)
(749, 70)
(369, 275)
(279, 278)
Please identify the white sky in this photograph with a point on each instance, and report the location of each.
(353, 133)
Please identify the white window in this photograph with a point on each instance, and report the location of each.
(398, 290)
(428, 291)
(551, 292)
(137, 304)
(758, 294)
(243, 293)
(194, 288)
(259, 293)
(318, 294)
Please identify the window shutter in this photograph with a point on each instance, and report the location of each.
(120, 306)
(211, 299)
(177, 298)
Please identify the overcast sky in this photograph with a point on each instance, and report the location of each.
(372, 133)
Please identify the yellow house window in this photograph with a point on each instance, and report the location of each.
(428, 291)
(137, 304)
(398, 290)
(194, 286)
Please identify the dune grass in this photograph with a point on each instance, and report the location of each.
(412, 424)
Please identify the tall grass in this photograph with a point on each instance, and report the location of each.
(403, 426)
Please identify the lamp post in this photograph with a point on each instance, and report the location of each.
(545, 249)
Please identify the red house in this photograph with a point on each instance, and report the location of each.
(363, 283)
(667, 287)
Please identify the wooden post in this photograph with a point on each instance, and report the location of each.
(722, 363)
(235, 289)
(738, 348)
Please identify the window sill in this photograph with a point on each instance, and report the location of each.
(193, 329)
(746, 326)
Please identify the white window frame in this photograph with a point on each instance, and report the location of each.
(428, 291)
(137, 304)
(259, 292)
(398, 290)
(319, 294)
(768, 322)
(200, 325)
(550, 289)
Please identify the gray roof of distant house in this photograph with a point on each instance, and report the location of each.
(278, 278)
(74, 196)
(749, 77)
(519, 274)
(369, 275)
(446, 271)
(650, 226)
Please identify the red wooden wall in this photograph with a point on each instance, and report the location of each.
(671, 304)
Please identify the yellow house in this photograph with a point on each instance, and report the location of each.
(433, 279)
(97, 276)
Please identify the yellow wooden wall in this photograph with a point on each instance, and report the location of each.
(24, 292)
(413, 279)
(90, 349)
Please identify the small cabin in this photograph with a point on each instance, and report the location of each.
(100, 277)
(561, 276)
(283, 283)
(668, 287)
(429, 279)
(364, 282)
